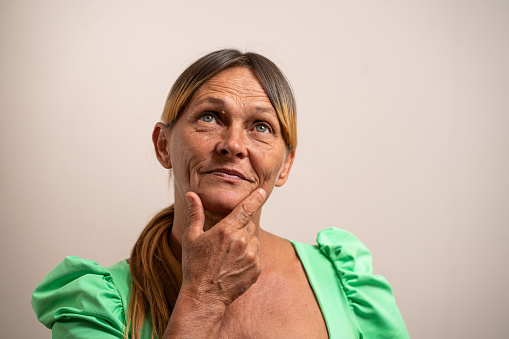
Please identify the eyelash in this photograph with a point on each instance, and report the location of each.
(207, 114)
(256, 123)
(264, 124)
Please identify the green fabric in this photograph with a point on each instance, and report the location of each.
(81, 299)
(354, 302)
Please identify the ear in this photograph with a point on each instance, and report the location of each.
(161, 140)
(285, 169)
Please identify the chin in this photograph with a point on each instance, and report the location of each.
(221, 201)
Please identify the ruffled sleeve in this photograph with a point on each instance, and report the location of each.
(78, 299)
(373, 308)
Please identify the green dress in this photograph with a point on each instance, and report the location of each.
(81, 299)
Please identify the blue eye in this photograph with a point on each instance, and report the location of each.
(262, 128)
(207, 117)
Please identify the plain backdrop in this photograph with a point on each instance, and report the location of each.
(403, 139)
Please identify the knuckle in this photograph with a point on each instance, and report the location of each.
(249, 208)
(224, 234)
(191, 213)
(241, 216)
(243, 241)
(246, 211)
(189, 220)
(251, 256)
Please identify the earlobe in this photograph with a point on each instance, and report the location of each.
(285, 169)
(160, 138)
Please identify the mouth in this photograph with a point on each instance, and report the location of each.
(227, 173)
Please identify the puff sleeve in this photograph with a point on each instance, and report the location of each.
(78, 299)
(372, 305)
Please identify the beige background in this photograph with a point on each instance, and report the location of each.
(403, 122)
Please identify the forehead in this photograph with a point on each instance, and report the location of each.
(237, 83)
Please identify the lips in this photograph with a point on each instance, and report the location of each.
(228, 173)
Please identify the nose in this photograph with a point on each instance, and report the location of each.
(232, 144)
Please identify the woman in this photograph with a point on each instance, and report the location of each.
(204, 267)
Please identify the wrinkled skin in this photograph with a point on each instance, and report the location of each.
(227, 154)
(229, 124)
(227, 143)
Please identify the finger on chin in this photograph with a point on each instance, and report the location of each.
(246, 209)
(195, 214)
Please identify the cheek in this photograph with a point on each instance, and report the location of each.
(187, 153)
(268, 163)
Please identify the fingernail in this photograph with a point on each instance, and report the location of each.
(190, 200)
(262, 192)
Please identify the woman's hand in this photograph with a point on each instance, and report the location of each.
(222, 263)
(218, 266)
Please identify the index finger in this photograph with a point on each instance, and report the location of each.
(245, 210)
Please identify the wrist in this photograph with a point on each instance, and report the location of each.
(195, 315)
(201, 299)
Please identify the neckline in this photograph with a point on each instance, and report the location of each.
(312, 283)
(327, 285)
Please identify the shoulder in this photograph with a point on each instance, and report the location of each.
(339, 247)
(80, 296)
(369, 296)
(343, 247)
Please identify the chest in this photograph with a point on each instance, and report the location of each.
(276, 306)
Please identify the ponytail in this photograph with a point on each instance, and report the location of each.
(156, 274)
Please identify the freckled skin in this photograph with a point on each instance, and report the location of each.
(232, 139)
(239, 281)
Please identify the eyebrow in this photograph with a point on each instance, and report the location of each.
(211, 100)
(219, 101)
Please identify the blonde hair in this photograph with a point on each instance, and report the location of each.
(156, 274)
(272, 79)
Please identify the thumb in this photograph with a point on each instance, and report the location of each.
(195, 215)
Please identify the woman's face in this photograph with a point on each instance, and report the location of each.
(228, 142)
